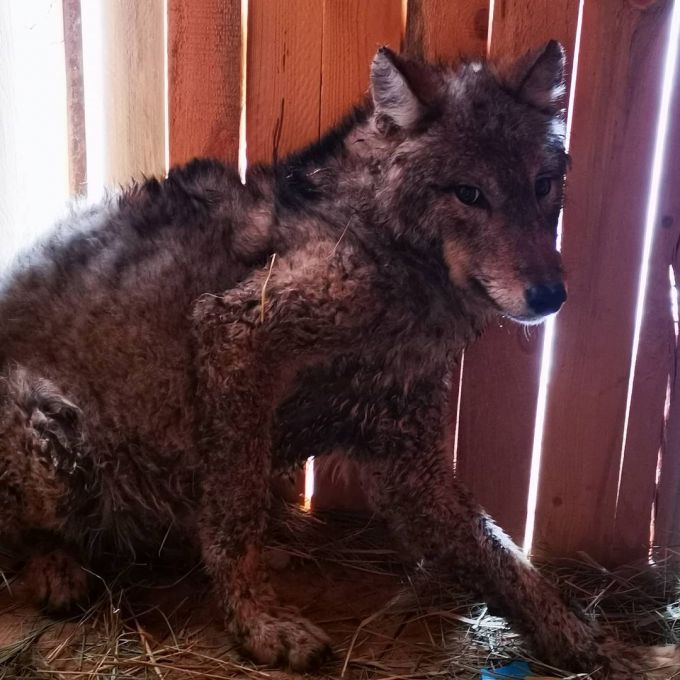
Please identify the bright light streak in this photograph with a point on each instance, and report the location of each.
(166, 91)
(492, 9)
(549, 334)
(242, 140)
(674, 301)
(309, 483)
(456, 434)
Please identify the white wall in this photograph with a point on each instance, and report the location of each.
(33, 151)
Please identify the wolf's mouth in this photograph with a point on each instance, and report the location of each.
(527, 318)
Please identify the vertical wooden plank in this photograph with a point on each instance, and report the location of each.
(615, 113)
(352, 31)
(497, 417)
(446, 29)
(519, 25)
(654, 354)
(283, 92)
(502, 369)
(204, 79)
(283, 81)
(134, 76)
(655, 364)
(75, 97)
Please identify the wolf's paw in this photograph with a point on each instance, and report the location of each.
(55, 581)
(643, 663)
(286, 639)
(660, 663)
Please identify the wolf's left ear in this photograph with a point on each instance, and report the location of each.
(538, 77)
(394, 95)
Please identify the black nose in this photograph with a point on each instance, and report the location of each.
(546, 298)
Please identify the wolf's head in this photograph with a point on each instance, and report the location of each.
(476, 166)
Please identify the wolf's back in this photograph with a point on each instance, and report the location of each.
(101, 306)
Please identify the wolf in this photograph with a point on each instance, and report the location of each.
(165, 352)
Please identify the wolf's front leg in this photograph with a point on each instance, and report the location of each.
(245, 357)
(232, 520)
(410, 483)
(236, 397)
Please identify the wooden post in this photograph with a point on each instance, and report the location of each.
(283, 88)
(283, 81)
(75, 97)
(204, 79)
(352, 31)
(502, 369)
(615, 114)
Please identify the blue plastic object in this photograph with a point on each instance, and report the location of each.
(517, 669)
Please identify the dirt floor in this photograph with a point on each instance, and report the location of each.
(387, 621)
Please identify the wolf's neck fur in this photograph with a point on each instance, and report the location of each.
(331, 189)
(332, 181)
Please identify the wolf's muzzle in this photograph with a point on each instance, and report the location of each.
(546, 298)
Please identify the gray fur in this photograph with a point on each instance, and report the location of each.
(159, 364)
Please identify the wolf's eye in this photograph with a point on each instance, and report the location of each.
(467, 194)
(542, 186)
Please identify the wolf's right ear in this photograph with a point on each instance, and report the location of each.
(393, 94)
(538, 76)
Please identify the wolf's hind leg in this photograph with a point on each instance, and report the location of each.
(54, 578)
(38, 433)
(232, 523)
(12, 471)
(39, 452)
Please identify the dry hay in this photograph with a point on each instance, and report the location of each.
(387, 621)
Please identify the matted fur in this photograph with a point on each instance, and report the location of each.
(159, 363)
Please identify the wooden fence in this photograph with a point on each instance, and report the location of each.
(251, 80)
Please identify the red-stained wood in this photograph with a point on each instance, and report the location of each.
(446, 29)
(519, 25)
(666, 252)
(75, 97)
(283, 82)
(502, 369)
(615, 113)
(283, 88)
(352, 31)
(496, 425)
(204, 79)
